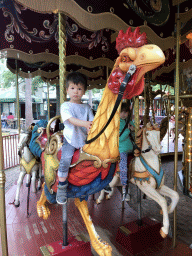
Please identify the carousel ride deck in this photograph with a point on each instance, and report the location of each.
(26, 235)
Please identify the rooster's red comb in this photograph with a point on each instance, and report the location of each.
(130, 39)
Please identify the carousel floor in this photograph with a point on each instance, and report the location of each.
(27, 235)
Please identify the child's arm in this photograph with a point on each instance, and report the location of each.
(81, 123)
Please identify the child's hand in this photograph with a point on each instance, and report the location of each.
(131, 127)
(88, 125)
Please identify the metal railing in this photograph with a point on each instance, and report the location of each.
(10, 155)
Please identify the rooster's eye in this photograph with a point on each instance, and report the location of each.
(125, 58)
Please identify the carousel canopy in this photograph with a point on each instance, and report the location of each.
(91, 29)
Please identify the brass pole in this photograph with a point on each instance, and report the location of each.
(2, 204)
(17, 97)
(176, 124)
(136, 119)
(145, 101)
(161, 102)
(168, 113)
(48, 102)
(63, 96)
(136, 115)
(187, 151)
(62, 57)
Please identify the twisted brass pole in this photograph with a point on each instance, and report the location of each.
(62, 57)
(136, 119)
(136, 114)
(17, 97)
(48, 101)
(145, 100)
(168, 113)
(3, 227)
(151, 104)
(176, 125)
(63, 96)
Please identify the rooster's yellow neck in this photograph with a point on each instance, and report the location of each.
(107, 145)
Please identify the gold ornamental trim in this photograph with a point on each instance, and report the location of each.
(97, 161)
(51, 167)
(99, 83)
(30, 58)
(141, 175)
(47, 57)
(28, 166)
(39, 72)
(79, 60)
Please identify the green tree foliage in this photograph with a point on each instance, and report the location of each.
(37, 82)
(8, 79)
(164, 88)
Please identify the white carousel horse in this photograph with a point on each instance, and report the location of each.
(29, 166)
(147, 174)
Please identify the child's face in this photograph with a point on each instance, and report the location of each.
(75, 92)
(124, 114)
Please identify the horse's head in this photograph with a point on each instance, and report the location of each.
(133, 49)
(148, 138)
(152, 136)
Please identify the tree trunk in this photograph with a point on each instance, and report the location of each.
(28, 103)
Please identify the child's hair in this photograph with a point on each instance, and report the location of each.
(125, 107)
(76, 78)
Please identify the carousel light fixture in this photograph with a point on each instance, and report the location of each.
(189, 138)
(189, 37)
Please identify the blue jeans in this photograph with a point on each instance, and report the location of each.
(66, 157)
(123, 168)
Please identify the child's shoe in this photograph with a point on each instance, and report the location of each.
(61, 196)
(125, 194)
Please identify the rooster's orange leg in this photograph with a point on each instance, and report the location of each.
(42, 209)
(101, 247)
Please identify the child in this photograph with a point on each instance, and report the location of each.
(125, 148)
(77, 118)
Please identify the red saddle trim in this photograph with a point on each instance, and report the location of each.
(83, 173)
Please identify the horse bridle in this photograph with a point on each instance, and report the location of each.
(127, 78)
(136, 147)
(149, 147)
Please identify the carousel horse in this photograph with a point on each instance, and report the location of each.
(94, 165)
(148, 175)
(29, 165)
(145, 171)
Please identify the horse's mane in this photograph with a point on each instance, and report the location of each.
(138, 142)
(139, 137)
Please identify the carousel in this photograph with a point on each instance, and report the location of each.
(126, 51)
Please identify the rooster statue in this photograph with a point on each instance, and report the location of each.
(94, 165)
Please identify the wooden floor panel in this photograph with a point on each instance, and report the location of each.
(27, 234)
